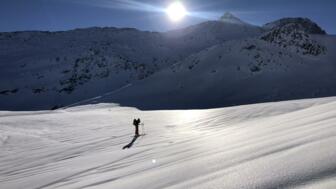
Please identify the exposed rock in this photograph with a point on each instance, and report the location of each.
(302, 24)
(294, 33)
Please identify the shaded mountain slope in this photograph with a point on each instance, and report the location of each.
(212, 64)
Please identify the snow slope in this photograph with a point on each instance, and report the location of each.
(288, 144)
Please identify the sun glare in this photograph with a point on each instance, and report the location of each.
(176, 11)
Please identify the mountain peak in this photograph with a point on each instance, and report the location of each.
(228, 15)
(230, 18)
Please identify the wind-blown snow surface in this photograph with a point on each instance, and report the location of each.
(273, 145)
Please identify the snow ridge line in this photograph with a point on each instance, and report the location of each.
(97, 97)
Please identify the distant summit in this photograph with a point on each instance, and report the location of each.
(230, 18)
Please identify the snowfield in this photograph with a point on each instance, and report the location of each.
(287, 144)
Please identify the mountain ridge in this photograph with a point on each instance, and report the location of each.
(54, 69)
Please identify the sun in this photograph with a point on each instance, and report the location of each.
(176, 11)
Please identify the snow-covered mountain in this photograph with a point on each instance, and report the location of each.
(288, 61)
(272, 145)
(212, 64)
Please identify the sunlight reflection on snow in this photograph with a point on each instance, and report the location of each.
(190, 116)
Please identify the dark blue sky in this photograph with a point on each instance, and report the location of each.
(54, 15)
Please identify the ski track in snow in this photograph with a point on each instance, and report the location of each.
(287, 144)
(94, 99)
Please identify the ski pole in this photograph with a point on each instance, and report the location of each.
(143, 128)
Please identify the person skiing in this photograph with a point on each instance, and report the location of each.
(136, 123)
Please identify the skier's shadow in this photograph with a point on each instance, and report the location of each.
(131, 143)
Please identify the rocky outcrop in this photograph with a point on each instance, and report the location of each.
(295, 34)
(301, 24)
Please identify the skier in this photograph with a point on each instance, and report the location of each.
(136, 123)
